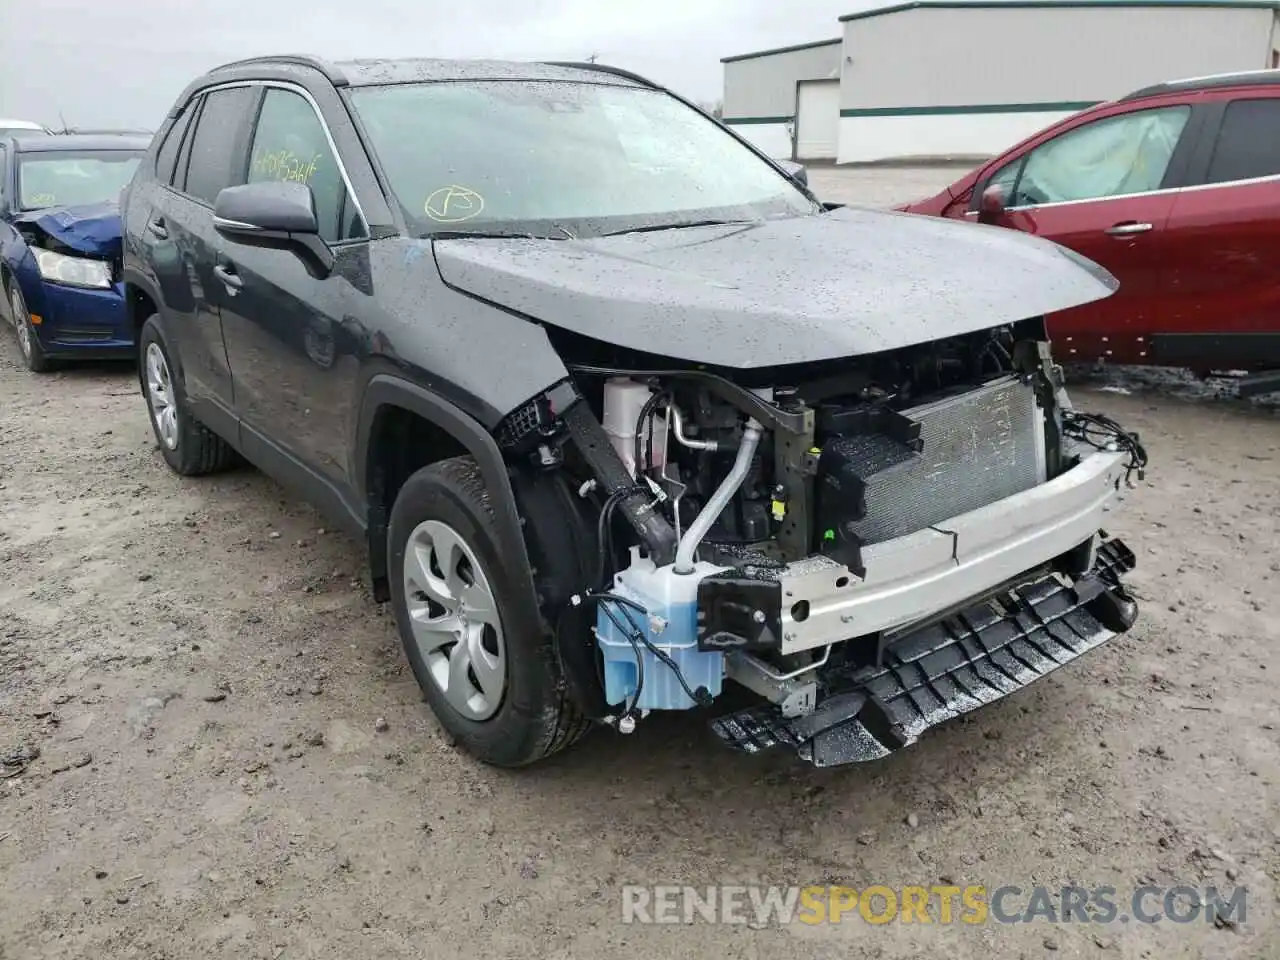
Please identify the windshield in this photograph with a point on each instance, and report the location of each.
(562, 159)
(71, 179)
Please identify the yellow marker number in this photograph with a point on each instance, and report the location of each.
(284, 165)
(453, 204)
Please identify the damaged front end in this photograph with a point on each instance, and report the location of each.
(872, 546)
(72, 280)
(92, 231)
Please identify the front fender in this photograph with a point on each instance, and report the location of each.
(388, 390)
(26, 275)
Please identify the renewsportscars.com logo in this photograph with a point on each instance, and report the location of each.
(937, 904)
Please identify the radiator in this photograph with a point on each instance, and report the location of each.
(978, 447)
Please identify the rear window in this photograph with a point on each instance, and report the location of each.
(168, 153)
(71, 179)
(1249, 142)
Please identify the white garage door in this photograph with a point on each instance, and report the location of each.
(818, 126)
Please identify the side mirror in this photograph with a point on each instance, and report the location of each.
(991, 206)
(277, 214)
(796, 171)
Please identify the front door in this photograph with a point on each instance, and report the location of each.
(293, 361)
(1097, 189)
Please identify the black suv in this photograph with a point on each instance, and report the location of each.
(621, 410)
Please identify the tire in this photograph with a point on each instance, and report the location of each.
(187, 445)
(33, 355)
(443, 514)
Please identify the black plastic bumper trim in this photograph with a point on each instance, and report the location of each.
(949, 668)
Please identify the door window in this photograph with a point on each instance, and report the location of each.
(1248, 142)
(1006, 177)
(1113, 157)
(216, 158)
(167, 156)
(179, 179)
(289, 144)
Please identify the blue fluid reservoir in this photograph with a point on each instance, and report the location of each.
(671, 625)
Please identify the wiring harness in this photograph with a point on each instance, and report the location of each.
(1103, 433)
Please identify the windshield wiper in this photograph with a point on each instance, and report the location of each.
(499, 234)
(652, 228)
(477, 235)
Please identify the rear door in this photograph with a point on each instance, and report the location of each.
(1105, 189)
(181, 225)
(1223, 263)
(150, 203)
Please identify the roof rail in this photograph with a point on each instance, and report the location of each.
(331, 72)
(1216, 81)
(604, 68)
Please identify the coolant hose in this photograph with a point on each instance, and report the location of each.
(710, 513)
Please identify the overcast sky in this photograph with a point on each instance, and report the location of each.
(122, 62)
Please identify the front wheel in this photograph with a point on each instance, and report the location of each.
(491, 678)
(28, 343)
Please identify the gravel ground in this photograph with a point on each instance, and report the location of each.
(234, 761)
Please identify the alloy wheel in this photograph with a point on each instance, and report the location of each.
(164, 410)
(453, 614)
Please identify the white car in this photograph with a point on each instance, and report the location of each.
(8, 127)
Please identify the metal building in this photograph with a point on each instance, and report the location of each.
(955, 79)
(762, 93)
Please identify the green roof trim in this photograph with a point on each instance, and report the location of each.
(1038, 4)
(792, 49)
(1054, 106)
(736, 121)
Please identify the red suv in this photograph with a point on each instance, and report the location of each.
(1176, 190)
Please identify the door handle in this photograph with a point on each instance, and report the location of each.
(157, 228)
(228, 277)
(1127, 229)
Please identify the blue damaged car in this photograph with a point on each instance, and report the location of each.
(60, 244)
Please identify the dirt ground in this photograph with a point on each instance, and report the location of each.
(234, 760)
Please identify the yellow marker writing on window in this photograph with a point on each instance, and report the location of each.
(453, 204)
(285, 165)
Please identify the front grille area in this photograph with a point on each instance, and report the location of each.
(978, 447)
(992, 648)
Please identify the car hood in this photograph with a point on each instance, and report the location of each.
(843, 283)
(94, 229)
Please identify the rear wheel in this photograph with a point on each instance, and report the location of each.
(33, 355)
(187, 445)
(491, 678)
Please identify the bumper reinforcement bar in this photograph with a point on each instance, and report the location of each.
(948, 668)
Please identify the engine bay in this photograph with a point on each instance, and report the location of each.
(732, 515)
